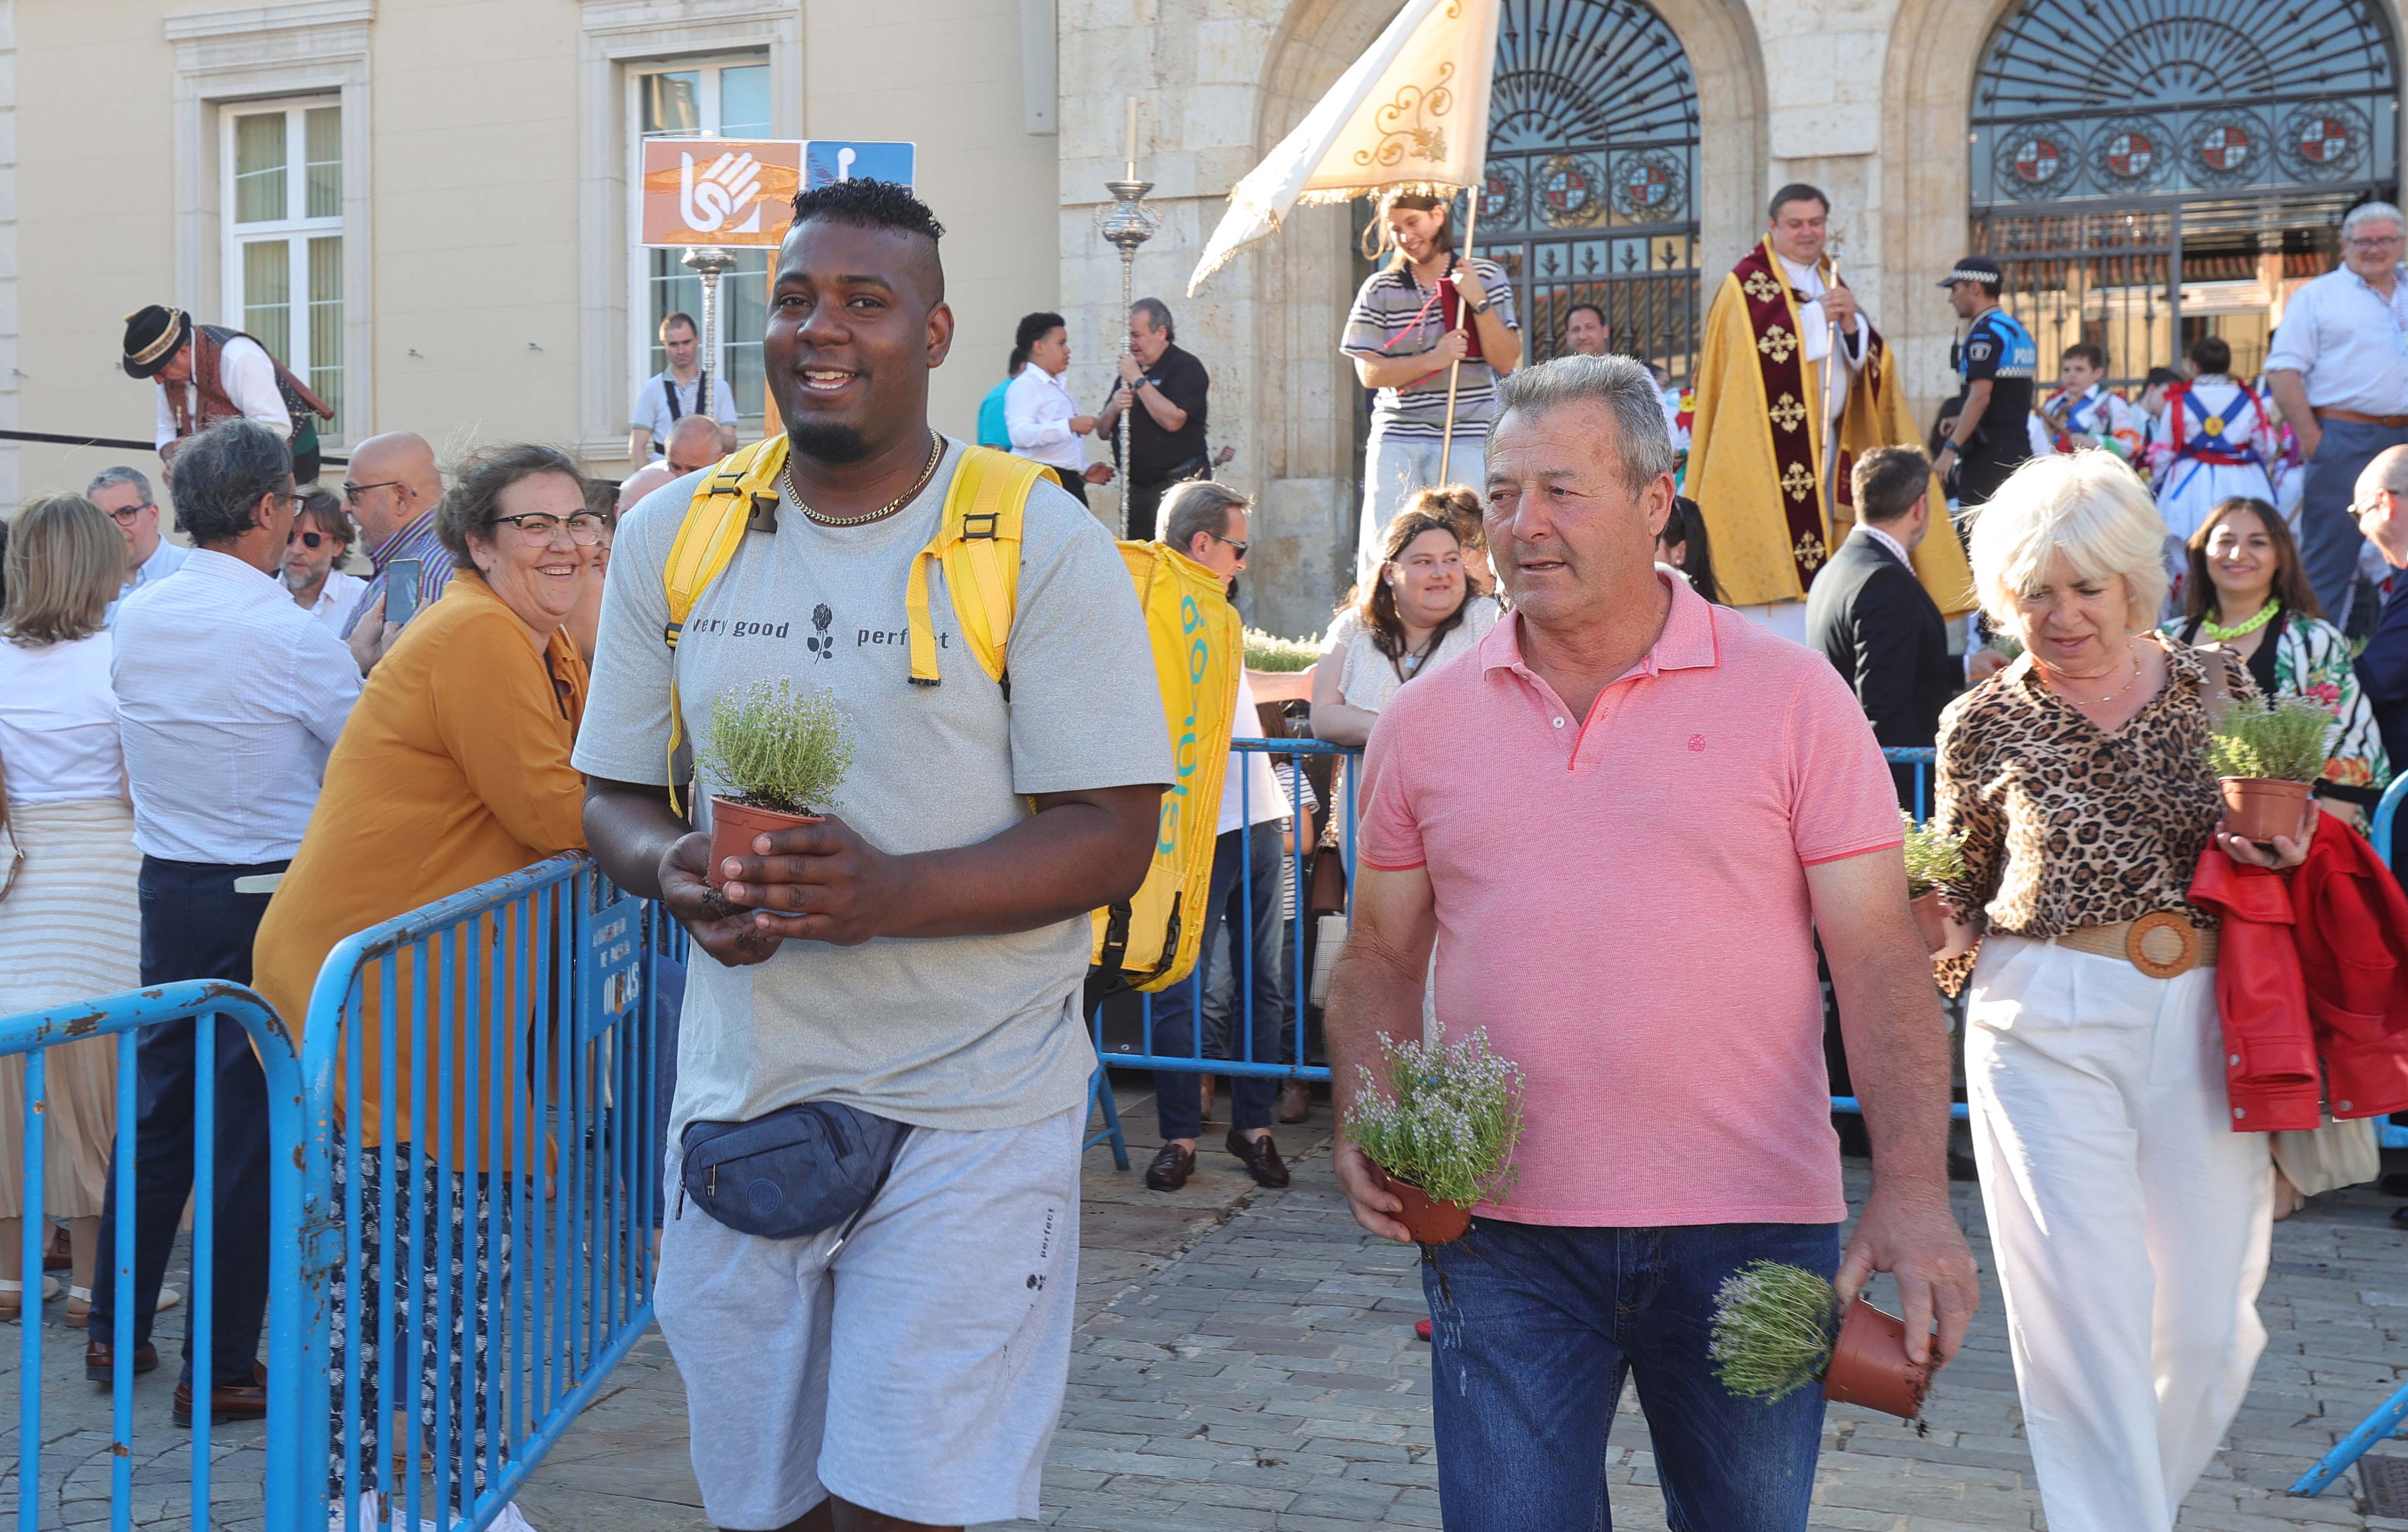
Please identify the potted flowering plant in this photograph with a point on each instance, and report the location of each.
(2265, 755)
(1441, 1128)
(1778, 1328)
(1932, 858)
(774, 756)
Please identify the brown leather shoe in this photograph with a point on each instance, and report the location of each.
(1170, 1168)
(1295, 1102)
(236, 1402)
(1261, 1158)
(100, 1359)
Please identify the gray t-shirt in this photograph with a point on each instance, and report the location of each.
(954, 1032)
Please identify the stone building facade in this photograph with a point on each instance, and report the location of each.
(453, 236)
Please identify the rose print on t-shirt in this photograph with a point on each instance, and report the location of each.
(819, 643)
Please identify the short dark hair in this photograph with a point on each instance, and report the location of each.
(475, 498)
(1887, 482)
(602, 499)
(1033, 328)
(681, 317)
(221, 475)
(323, 508)
(2159, 376)
(2211, 353)
(2084, 352)
(1686, 529)
(1797, 190)
(869, 205)
(1592, 308)
(1157, 313)
(2291, 587)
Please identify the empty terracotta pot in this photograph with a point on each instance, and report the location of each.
(1931, 919)
(1870, 1366)
(1428, 1221)
(732, 825)
(2261, 808)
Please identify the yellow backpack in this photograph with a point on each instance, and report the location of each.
(1196, 639)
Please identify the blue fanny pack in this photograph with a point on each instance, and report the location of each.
(794, 1172)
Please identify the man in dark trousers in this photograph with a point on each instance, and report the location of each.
(2381, 509)
(1167, 390)
(1873, 621)
(1990, 435)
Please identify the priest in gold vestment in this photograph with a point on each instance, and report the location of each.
(1767, 415)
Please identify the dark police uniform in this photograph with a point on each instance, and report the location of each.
(2001, 350)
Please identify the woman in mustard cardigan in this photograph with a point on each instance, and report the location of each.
(454, 771)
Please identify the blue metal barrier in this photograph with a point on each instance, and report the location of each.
(207, 1004)
(521, 1008)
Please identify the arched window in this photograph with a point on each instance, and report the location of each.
(2147, 172)
(1591, 195)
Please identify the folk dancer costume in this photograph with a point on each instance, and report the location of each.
(1759, 437)
(2213, 442)
(234, 377)
(2098, 412)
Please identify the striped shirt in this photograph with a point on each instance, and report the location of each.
(1394, 316)
(415, 541)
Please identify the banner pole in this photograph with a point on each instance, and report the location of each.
(1455, 369)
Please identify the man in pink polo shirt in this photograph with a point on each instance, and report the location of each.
(1621, 820)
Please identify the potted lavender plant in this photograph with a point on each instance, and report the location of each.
(1932, 859)
(1441, 1128)
(774, 757)
(1778, 1328)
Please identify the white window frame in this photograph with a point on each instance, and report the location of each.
(296, 232)
(641, 338)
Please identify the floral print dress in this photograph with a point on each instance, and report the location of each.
(2312, 660)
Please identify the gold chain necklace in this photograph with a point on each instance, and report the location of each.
(2102, 702)
(936, 455)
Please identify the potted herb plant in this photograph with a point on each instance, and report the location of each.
(1778, 1328)
(2265, 754)
(1441, 1128)
(773, 757)
(1281, 670)
(1932, 859)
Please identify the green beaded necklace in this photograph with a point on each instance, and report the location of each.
(2222, 635)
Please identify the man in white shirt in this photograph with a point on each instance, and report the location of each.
(229, 698)
(208, 373)
(2338, 372)
(125, 494)
(1206, 523)
(676, 392)
(314, 551)
(1040, 412)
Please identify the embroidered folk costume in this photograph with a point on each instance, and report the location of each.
(1758, 439)
(2213, 442)
(2098, 412)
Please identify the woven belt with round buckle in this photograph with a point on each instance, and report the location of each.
(2162, 945)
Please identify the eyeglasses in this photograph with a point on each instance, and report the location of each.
(309, 540)
(2373, 241)
(536, 530)
(1231, 541)
(125, 517)
(352, 493)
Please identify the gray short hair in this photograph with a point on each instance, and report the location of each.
(1625, 388)
(222, 473)
(1157, 313)
(1198, 504)
(120, 475)
(2373, 213)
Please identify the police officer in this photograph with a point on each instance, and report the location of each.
(1989, 435)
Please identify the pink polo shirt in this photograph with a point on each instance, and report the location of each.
(1622, 903)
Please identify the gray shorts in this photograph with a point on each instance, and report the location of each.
(941, 1330)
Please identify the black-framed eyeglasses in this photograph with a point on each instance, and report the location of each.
(125, 517)
(352, 493)
(1231, 541)
(536, 529)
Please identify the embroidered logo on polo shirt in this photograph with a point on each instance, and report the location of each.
(1696, 741)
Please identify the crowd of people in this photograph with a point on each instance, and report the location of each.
(202, 743)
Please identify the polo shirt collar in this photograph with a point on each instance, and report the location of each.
(1686, 643)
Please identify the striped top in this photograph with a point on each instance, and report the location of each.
(415, 541)
(1394, 316)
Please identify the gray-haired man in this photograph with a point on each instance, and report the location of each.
(2337, 371)
(1168, 390)
(124, 494)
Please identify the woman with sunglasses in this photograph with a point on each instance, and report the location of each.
(454, 771)
(314, 551)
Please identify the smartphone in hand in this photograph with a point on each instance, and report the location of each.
(401, 578)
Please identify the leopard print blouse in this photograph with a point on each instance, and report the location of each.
(2066, 825)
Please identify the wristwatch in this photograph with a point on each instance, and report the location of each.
(1482, 306)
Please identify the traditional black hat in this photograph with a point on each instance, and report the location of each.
(1975, 269)
(154, 333)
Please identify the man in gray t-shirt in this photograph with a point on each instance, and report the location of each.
(920, 954)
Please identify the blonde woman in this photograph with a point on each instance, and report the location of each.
(2130, 1219)
(69, 923)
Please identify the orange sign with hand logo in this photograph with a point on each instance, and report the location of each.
(719, 191)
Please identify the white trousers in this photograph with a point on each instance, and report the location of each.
(2130, 1223)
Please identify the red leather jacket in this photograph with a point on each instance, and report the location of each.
(2312, 982)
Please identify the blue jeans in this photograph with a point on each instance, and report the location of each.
(1257, 954)
(2329, 535)
(1394, 469)
(1535, 1328)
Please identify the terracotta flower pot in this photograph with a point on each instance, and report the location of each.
(2260, 809)
(1931, 919)
(1430, 1221)
(732, 825)
(1870, 1366)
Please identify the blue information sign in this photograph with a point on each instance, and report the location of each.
(826, 161)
